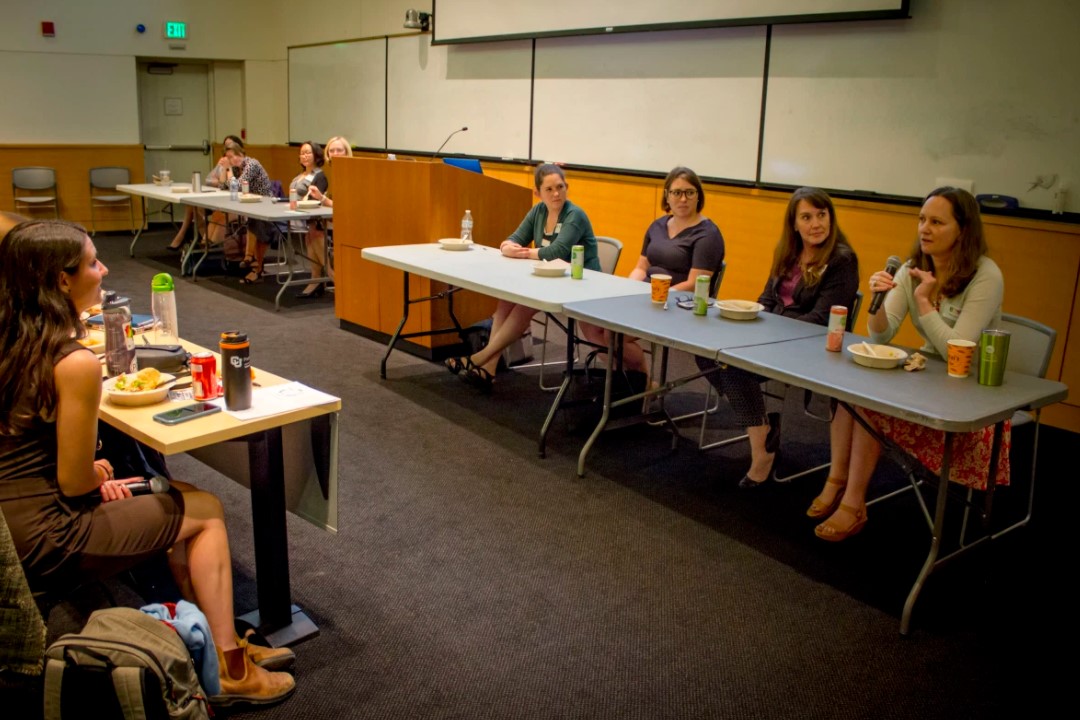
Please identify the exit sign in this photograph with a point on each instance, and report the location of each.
(175, 30)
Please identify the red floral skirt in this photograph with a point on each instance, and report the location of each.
(971, 451)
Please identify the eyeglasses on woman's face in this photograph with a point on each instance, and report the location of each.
(688, 193)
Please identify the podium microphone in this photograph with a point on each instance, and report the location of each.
(154, 485)
(448, 140)
(892, 265)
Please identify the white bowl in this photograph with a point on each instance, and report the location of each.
(739, 309)
(307, 204)
(554, 268)
(95, 341)
(181, 188)
(140, 397)
(455, 244)
(250, 198)
(876, 356)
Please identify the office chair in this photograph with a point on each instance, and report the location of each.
(608, 250)
(34, 180)
(106, 179)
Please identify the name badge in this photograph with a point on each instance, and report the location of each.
(950, 313)
(558, 229)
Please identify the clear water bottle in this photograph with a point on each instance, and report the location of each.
(466, 226)
(119, 338)
(234, 189)
(163, 306)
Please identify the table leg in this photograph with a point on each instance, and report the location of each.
(397, 333)
(131, 248)
(568, 375)
(613, 339)
(281, 622)
(936, 534)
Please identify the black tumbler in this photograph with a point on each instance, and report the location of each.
(236, 370)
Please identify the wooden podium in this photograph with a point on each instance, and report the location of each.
(395, 202)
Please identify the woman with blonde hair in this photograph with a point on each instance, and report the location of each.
(336, 146)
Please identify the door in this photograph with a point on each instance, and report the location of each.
(174, 119)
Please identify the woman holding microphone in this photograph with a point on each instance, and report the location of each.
(951, 289)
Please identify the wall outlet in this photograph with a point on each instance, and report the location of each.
(968, 185)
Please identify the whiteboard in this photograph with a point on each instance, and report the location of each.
(651, 101)
(464, 20)
(434, 90)
(338, 89)
(956, 92)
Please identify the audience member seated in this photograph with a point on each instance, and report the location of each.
(554, 226)
(70, 519)
(259, 232)
(218, 177)
(813, 268)
(336, 146)
(951, 289)
(683, 244)
(311, 178)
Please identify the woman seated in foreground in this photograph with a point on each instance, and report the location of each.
(554, 226)
(951, 289)
(217, 177)
(813, 269)
(683, 244)
(336, 146)
(70, 519)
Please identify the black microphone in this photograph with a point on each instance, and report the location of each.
(156, 484)
(892, 265)
(448, 140)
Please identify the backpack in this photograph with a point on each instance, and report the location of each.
(124, 664)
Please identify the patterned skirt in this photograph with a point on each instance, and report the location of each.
(971, 451)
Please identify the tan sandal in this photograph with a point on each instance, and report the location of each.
(832, 531)
(820, 508)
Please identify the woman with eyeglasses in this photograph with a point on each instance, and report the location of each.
(310, 180)
(813, 269)
(552, 228)
(683, 244)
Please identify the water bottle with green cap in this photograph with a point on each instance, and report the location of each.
(163, 307)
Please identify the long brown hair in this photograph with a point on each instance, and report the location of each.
(790, 246)
(36, 318)
(970, 246)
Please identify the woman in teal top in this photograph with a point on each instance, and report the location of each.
(552, 227)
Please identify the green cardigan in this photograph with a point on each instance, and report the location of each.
(574, 228)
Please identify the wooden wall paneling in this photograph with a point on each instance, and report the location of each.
(72, 164)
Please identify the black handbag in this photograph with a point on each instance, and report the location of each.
(172, 359)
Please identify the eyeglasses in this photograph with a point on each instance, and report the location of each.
(689, 193)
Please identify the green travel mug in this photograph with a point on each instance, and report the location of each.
(993, 353)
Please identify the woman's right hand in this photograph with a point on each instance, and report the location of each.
(314, 193)
(881, 281)
(112, 490)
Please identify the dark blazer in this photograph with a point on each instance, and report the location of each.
(838, 286)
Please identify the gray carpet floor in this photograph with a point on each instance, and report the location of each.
(472, 579)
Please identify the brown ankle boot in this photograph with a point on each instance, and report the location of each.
(268, 658)
(242, 681)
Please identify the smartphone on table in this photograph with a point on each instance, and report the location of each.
(188, 412)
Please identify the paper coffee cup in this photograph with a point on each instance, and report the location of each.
(961, 353)
(660, 286)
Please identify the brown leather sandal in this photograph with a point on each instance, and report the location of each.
(820, 508)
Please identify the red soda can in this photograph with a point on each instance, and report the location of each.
(204, 378)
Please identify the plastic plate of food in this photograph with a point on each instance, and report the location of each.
(249, 197)
(876, 356)
(550, 268)
(455, 244)
(308, 204)
(145, 387)
(739, 309)
(181, 188)
(95, 341)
